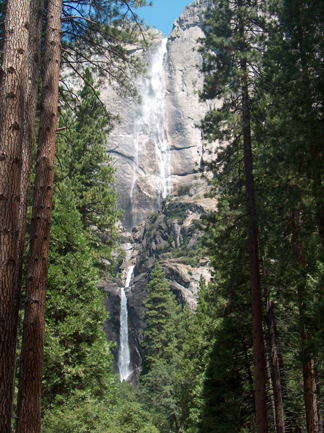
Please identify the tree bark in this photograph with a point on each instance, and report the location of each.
(30, 101)
(308, 364)
(309, 379)
(256, 298)
(31, 365)
(274, 367)
(270, 385)
(274, 360)
(12, 81)
(258, 343)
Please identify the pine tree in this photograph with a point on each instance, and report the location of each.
(161, 345)
(295, 159)
(31, 359)
(97, 34)
(161, 319)
(12, 93)
(76, 353)
(230, 61)
(33, 333)
(80, 391)
(198, 342)
(82, 158)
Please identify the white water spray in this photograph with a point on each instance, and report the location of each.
(124, 353)
(152, 122)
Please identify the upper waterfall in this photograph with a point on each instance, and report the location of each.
(151, 129)
(157, 147)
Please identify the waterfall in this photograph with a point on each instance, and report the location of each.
(151, 124)
(124, 353)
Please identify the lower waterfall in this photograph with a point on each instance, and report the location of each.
(124, 353)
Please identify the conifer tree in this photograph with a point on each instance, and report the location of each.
(82, 158)
(161, 345)
(80, 391)
(12, 94)
(294, 132)
(199, 338)
(76, 354)
(33, 333)
(161, 319)
(31, 360)
(96, 34)
(230, 60)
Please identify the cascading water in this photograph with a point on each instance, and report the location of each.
(124, 353)
(151, 123)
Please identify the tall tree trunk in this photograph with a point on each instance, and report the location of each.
(270, 387)
(258, 343)
(309, 379)
(31, 364)
(274, 367)
(12, 83)
(274, 360)
(308, 364)
(30, 102)
(257, 328)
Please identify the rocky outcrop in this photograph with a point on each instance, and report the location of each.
(144, 166)
(184, 81)
(170, 236)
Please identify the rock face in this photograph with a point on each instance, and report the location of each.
(157, 149)
(170, 237)
(156, 146)
(184, 81)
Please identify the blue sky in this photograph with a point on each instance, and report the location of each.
(162, 14)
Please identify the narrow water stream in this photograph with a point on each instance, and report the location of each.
(124, 353)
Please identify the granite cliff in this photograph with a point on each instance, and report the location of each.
(157, 146)
(170, 236)
(157, 149)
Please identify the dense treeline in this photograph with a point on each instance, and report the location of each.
(264, 61)
(80, 391)
(36, 37)
(272, 52)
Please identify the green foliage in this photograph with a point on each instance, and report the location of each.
(188, 256)
(227, 392)
(177, 213)
(74, 340)
(80, 390)
(282, 54)
(156, 391)
(83, 160)
(97, 34)
(162, 343)
(183, 190)
(197, 344)
(161, 319)
(84, 413)
(198, 368)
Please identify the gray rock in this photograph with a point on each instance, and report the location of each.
(164, 231)
(169, 237)
(136, 158)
